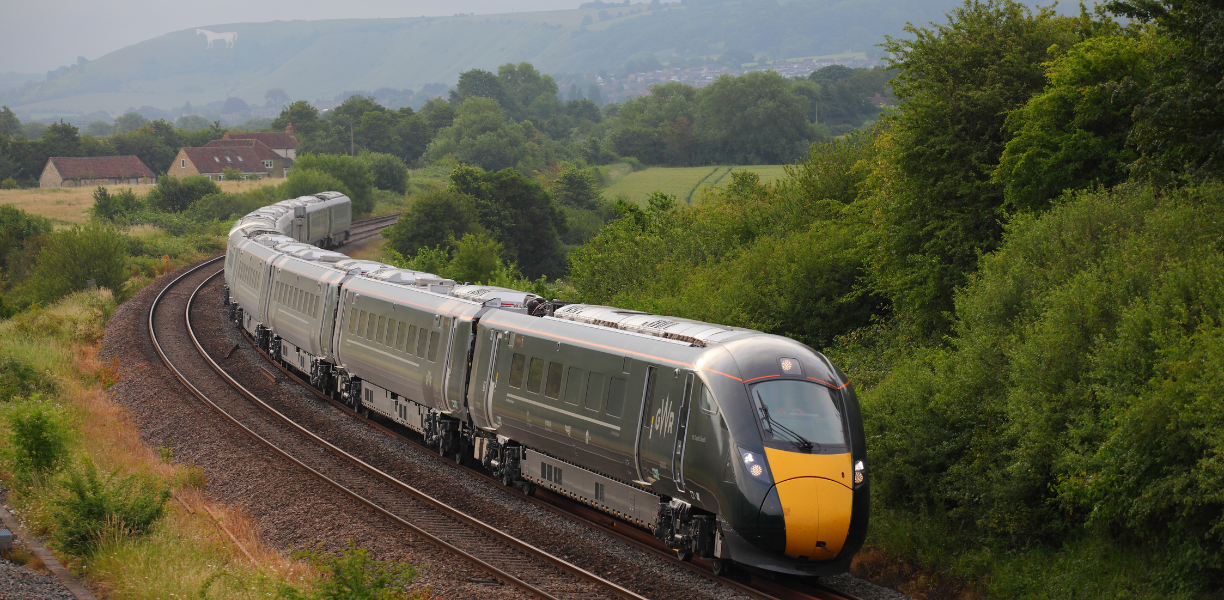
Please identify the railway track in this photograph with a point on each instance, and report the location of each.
(505, 558)
(368, 228)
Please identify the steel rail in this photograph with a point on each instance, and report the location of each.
(537, 553)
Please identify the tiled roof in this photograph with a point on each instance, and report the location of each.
(271, 140)
(100, 167)
(266, 152)
(215, 159)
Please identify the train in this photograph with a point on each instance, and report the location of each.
(733, 445)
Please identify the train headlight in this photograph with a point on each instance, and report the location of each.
(755, 465)
(860, 472)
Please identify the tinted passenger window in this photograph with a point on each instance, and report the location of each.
(573, 386)
(516, 370)
(616, 397)
(352, 320)
(594, 392)
(535, 376)
(382, 329)
(553, 389)
(391, 324)
(361, 324)
(707, 400)
(422, 339)
(371, 323)
(433, 346)
(399, 337)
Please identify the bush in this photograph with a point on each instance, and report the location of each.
(172, 194)
(75, 255)
(95, 504)
(352, 574)
(304, 182)
(232, 174)
(40, 438)
(352, 172)
(433, 219)
(390, 173)
(108, 206)
(226, 207)
(9, 184)
(19, 380)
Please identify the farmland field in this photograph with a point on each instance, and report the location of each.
(684, 183)
(71, 205)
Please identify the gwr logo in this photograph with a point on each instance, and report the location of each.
(664, 420)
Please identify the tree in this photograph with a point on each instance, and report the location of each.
(303, 117)
(414, 136)
(375, 131)
(753, 118)
(108, 206)
(594, 95)
(1075, 134)
(276, 97)
(9, 124)
(434, 219)
(576, 187)
(1180, 123)
(637, 141)
(480, 135)
(438, 113)
(390, 173)
(520, 214)
(233, 105)
(75, 255)
(936, 208)
(478, 83)
(61, 139)
(130, 121)
(349, 170)
(172, 194)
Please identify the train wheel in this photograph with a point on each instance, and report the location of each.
(722, 566)
(684, 556)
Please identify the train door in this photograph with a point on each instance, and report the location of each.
(656, 435)
(491, 379)
(682, 419)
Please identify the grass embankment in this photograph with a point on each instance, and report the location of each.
(685, 183)
(183, 554)
(71, 205)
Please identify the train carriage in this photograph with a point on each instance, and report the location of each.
(302, 291)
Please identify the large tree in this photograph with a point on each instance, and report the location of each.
(520, 214)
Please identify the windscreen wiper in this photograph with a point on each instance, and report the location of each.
(798, 440)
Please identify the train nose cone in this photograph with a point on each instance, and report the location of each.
(814, 501)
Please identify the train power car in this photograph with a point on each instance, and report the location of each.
(730, 444)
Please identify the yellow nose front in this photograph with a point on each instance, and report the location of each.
(816, 497)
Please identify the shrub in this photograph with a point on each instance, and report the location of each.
(95, 503)
(108, 206)
(303, 182)
(75, 255)
(433, 219)
(390, 173)
(9, 184)
(19, 380)
(352, 574)
(225, 207)
(232, 174)
(40, 438)
(172, 194)
(352, 172)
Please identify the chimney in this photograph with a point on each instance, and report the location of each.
(289, 129)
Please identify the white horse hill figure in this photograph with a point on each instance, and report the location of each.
(229, 37)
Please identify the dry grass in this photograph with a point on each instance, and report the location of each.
(71, 205)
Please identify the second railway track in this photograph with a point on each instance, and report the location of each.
(504, 557)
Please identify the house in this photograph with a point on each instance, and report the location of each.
(247, 156)
(284, 144)
(62, 171)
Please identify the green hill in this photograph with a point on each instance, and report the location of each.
(318, 59)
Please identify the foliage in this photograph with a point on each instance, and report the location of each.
(20, 380)
(17, 229)
(232, 174)
(481, 136)
(109, 207)
(753, 119)
(40, 438)
(304, 182)
(390, 173)
(576, 187)
(97, 503)
(434, 219)
(352, 574)
(519, 213)
(935, 205)
(172, 194)
(74, 255)
(350, 171)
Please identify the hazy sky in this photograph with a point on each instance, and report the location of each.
(39, 36)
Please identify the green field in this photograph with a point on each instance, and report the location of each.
(684, 183)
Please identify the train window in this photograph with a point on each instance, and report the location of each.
(594, 392)
(553, 389)
(422, 339)
(535, 376)
(516, 370)
(361, 324)
(370, 325)
(707, 400)
(411, 337)
(399, 337)
(352, 320)
(433, 346)
(616, 397)
(382, 330)
(391, 325)
(314, 305)
(573, 385)
(297, 300)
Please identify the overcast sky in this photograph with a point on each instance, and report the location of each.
(47, 34)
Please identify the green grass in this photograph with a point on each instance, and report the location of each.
(685, 183)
